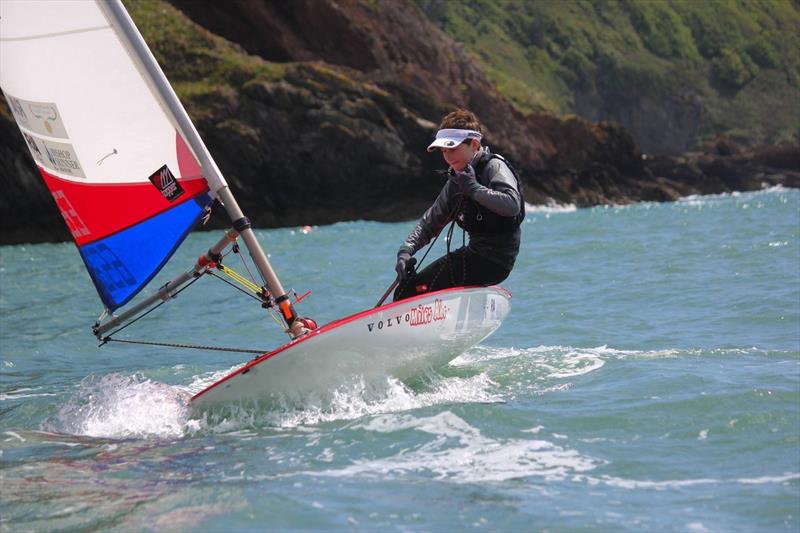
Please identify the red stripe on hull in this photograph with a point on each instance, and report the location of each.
(93, 211)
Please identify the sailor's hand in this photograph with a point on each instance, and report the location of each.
(466, 180)
(403, 260)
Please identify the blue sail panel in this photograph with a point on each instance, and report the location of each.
(121, 264)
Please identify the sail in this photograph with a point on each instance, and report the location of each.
(111, 153)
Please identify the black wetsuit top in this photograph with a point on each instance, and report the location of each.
(497, 191)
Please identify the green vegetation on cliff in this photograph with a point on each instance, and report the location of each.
(202, 66)
(196, 61)
(737, 62)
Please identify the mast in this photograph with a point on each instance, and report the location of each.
(129, 35)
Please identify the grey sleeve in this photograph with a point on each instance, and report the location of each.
(502, 196)
(430, 225)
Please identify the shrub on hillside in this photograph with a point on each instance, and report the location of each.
(763, 53)
(733, 69)
(579, 67)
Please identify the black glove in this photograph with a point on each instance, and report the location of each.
(403, 262)
(466, 180)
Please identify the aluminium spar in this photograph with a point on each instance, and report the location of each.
(130, 35)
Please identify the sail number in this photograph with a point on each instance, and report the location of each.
(108, 268)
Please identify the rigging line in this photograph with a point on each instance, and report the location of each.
(247, 283)
(108, 337)
(235, 276)
(269, 309)
(241, 256)
(275, 319)
(449, 217)
(193, 346)
(448, 239)
(234, 286)
(402, 285)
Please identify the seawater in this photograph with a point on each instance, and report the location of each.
(647, 378)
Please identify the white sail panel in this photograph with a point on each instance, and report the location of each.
(125, 180)
(64, 58)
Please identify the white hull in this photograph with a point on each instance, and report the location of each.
(400, 339)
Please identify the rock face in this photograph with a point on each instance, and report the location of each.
(391, 45)
(27, 211)
(726, 167)
(329, 117)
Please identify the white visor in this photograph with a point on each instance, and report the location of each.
(450, 138)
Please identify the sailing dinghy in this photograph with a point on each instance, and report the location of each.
(132, 177)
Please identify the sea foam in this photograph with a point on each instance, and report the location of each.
(473, 458)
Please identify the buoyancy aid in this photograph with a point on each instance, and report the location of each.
(475, 218)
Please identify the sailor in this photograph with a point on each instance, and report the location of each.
(483, 195)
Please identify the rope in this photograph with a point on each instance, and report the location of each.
(239, 278)
(451, 216)
(256, 292)
(236, 251)
(234, 286)
(162, 302)
(180, 345)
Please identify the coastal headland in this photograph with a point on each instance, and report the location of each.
(319, 111)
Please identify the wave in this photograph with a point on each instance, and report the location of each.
(122, 406)
(623, 483)
(133, 406)
(24, 392)
(353, 400)
(459, 452)
(568, 357)
(550, 208)
(450, 449)
(701, 200)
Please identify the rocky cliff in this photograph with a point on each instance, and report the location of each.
(320, 110)
(675, 74)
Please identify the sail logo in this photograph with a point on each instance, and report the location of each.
(41, 118)
(17, 108)
(45, 112)
(166, 183)
(34, 148)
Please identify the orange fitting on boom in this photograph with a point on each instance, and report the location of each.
(287, 311)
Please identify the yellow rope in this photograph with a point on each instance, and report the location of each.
(239, 278)
(255, 289)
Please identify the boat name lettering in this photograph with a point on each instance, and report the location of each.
(420, 315)
(387, 322)
(425, 314)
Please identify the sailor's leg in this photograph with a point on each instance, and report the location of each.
(483, 271)
(445, 272)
